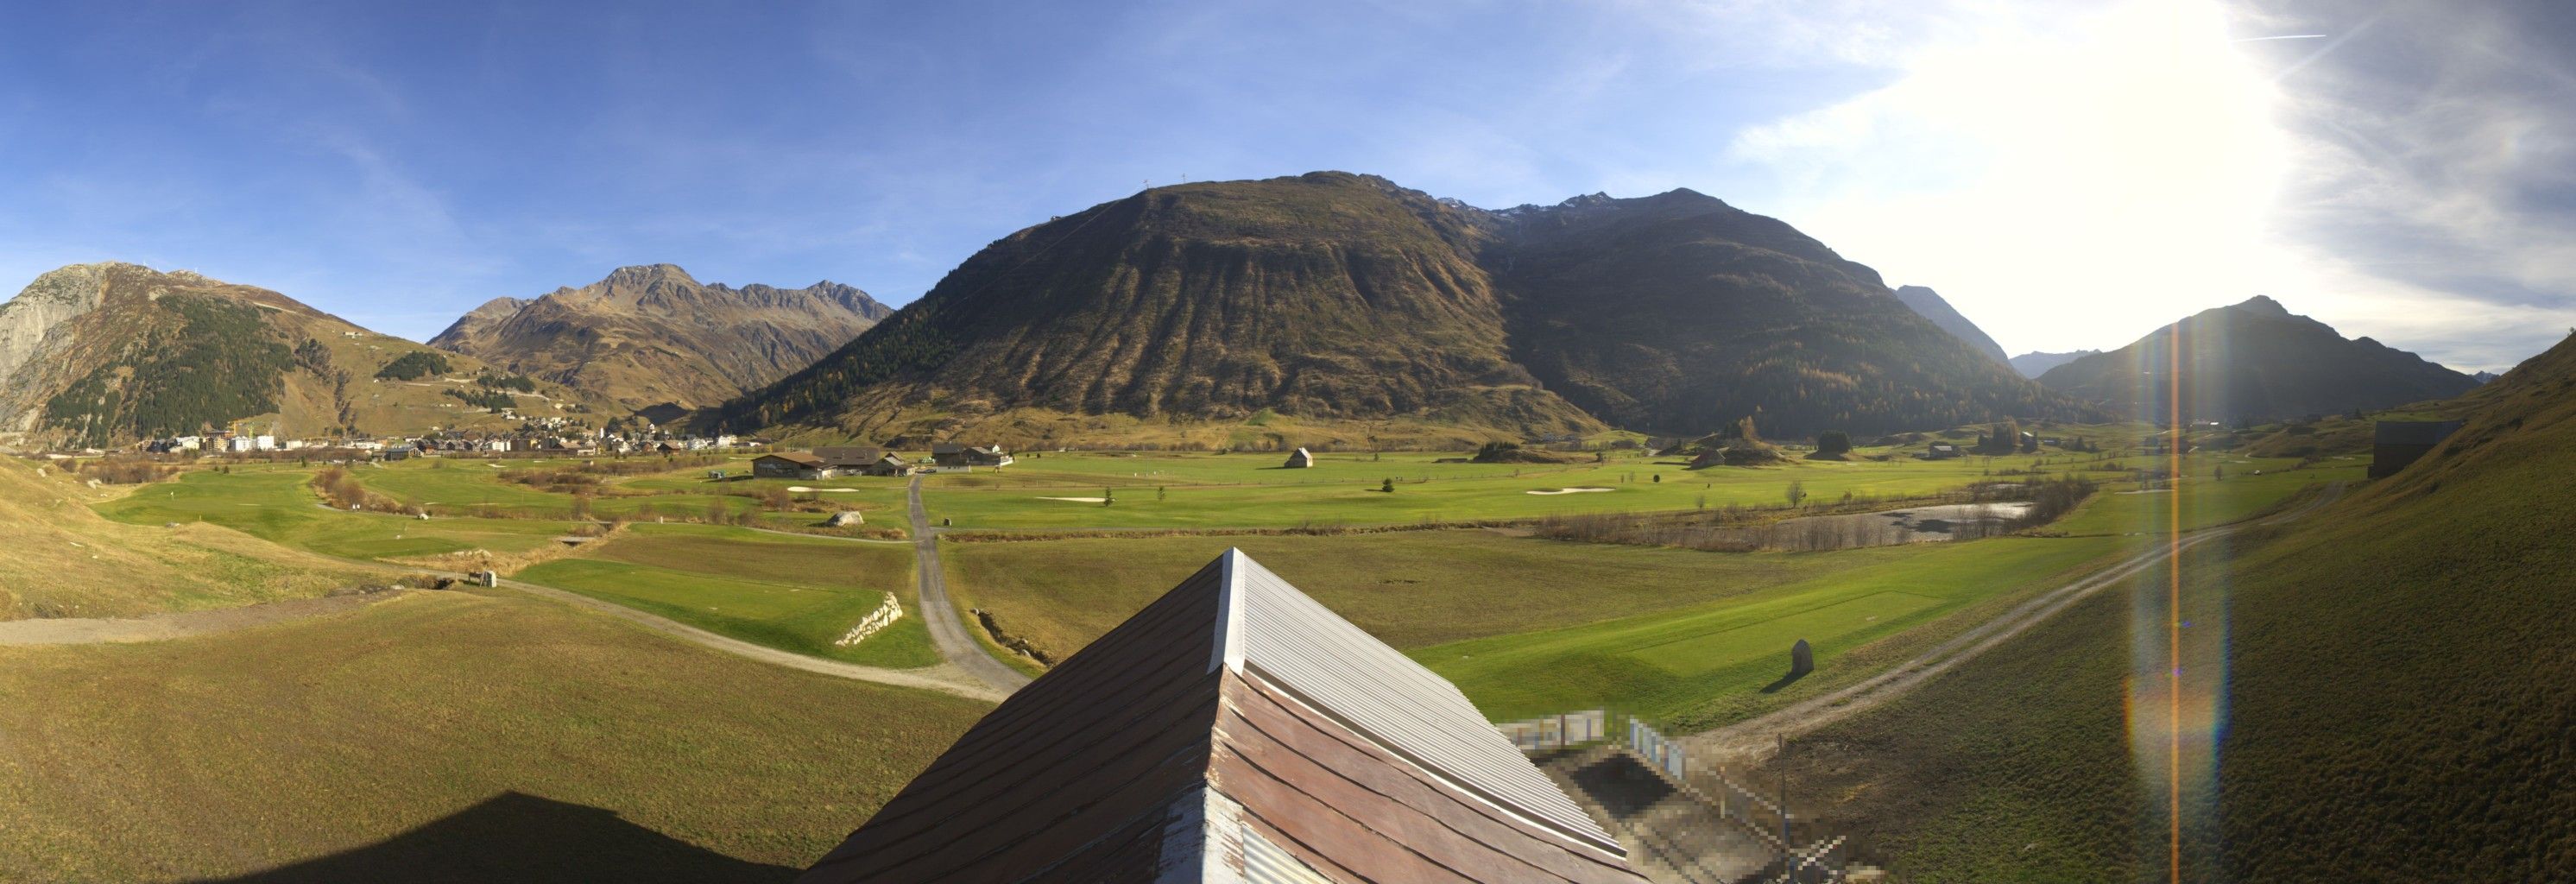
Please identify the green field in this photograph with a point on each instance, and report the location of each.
(794, 594)
(276, 505)
(1243, 490)
(1408, 588)
(2205, 501)
(443, 736)
(1673, 667)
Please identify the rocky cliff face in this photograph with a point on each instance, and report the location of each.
(1345, 297)
(652, 335)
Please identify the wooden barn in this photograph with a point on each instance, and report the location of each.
(1234, 730)
(1300, 459)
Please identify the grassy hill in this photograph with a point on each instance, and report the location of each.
(102, 354)
(1337, 297)
(2253, 360)
(442, 736)
(2390, 680)
(65, 561)
(652, 335)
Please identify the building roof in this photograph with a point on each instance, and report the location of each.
(1233, 730)
(798, 458)
(2413, 432)
(846, 455)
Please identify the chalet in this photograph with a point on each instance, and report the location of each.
(1942, 452)
(2394, 444)
(846, 460)
(1300, 459)
(787, 465)
(1237, 731)
(953, 455)
(888, 465)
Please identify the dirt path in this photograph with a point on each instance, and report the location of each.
(156, 627)
(944, 677)
(1753, 740)
(947, 630)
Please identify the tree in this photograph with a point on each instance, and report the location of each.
(1161, 492)
(1107, 497)
(1797, 493)
(1744, 430)
(1387, 485)
(2218, 474)
(1833, 442)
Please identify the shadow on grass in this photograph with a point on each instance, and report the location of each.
(516, 837)
(1786, 680)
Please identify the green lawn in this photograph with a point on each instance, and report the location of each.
(1408, 588)
(277, 505)
(1243, 490)
(2205, 501)
(1674, 667)
(788, 593)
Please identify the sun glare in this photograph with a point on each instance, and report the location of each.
(2129, 157)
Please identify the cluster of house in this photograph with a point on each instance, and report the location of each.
(552, 437)
(828, 461)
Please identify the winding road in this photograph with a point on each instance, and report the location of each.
(947, 629)
(1753, 740)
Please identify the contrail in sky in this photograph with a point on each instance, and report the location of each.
(2280, 37)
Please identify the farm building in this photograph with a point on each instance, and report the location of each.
(1233, 730)
(951, 455)
(787, 465)
(887, 465)
(844, 460)
(1942, 452)
(2394, 444)
(1300, 459)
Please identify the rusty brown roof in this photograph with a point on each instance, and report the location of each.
(1197, 741)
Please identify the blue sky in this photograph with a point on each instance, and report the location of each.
(400, 164)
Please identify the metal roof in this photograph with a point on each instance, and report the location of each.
(1302, 647)
(1232, 731)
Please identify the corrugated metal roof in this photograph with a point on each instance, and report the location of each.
(1297, 644)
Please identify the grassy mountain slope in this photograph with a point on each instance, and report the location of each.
(652, 335)
(102, 354)
(1678, 312)
(1324, 296)
(1338, 297)
(2398, 692)
(2254, 360)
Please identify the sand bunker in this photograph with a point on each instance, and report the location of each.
(800, 489)
(1079, 499)
(1569, 490)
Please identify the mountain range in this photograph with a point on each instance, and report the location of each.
(2251, 361)
(1340, 297)
(653, 336)
(100, 354)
